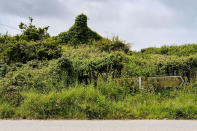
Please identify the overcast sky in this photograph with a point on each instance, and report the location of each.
(143, 23)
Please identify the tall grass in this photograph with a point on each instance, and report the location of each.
(106, 101)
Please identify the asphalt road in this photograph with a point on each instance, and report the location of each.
(94, 125)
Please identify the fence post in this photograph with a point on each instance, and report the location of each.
(140, 82)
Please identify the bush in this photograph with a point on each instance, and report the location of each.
(24, 51)
(88, 70)
(32, 33)
(65, 71)
(4, 39)
(112, 45)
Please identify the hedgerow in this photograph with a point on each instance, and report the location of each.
(82, 75)
(181, 50)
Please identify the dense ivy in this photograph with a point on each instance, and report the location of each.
(79, 33)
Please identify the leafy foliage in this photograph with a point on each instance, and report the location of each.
(112, 45)
(32, 33)
(183, 50)
(4, 39)
(79, 33)
(24, 51)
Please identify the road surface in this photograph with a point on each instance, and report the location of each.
(94, 125)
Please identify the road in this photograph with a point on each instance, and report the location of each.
(94, 125)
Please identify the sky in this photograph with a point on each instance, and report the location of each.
(141, 23)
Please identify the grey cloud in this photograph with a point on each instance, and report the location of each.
(142, 22)
(146, 14)
(185, 11)
(42, 8)
(181, 5)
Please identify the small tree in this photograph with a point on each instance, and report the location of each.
(32, 33)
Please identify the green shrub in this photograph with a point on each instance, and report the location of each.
(4, 39)
(112, 45)
(32, 33)
(65, 71)
(24, 51)
(88, 70)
